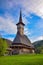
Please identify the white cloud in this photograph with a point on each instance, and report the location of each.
(26, 31)
(35, 6)
(37, 39)
(7, 24)
(10, 39)
(25, 20)
(40, 38)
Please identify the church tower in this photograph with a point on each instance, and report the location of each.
(21, 44)
(20, 25)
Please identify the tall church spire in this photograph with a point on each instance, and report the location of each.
(20, 19)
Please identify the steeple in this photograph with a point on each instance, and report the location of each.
(20, 19)
(20, 25)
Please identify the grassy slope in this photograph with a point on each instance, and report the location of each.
(22, 60)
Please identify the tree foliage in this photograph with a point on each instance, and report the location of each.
(3, 46)
(39, 49)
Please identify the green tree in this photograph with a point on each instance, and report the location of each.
(3, 46)
(42, 49)
(39, 49)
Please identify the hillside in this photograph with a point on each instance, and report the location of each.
(38, 43)
(38, 46)
(7, 41)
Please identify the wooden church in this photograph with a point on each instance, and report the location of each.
(21, 44)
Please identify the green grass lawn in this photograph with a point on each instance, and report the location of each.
(22, 60)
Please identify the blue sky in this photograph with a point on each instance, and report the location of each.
(32, 15)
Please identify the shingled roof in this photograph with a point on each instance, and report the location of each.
(21, 39)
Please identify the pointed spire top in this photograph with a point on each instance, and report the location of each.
(20, 19)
